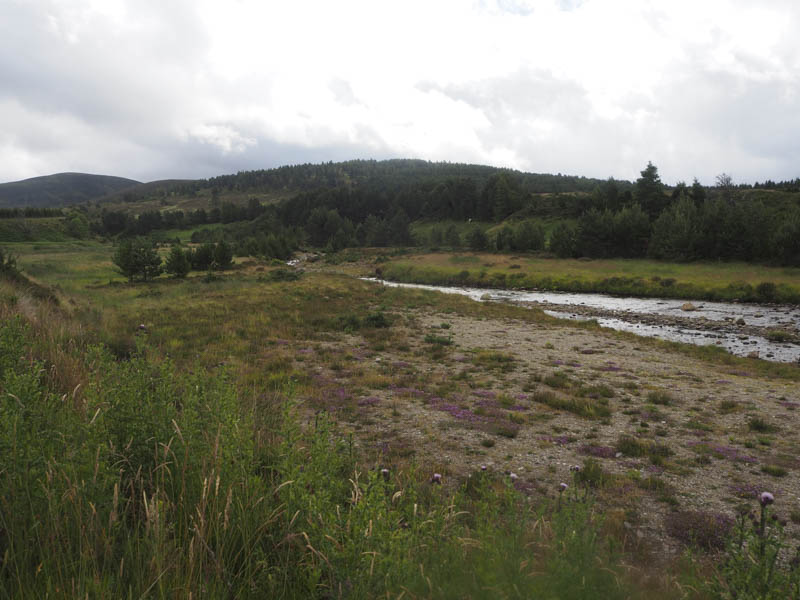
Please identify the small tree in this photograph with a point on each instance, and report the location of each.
(223, 256)
(203, 257)
(476, 238)
(178, 263)
(137, 259)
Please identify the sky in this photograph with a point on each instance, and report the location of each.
(154, 89)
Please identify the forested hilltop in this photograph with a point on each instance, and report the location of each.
(273, 212)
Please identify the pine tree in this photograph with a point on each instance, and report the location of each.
(177, 264)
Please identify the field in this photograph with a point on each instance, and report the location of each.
(274, 432)
(709, 281)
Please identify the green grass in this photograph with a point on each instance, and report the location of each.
(709, 281)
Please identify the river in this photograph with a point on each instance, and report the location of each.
(739, 328)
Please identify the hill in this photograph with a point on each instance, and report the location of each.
(60, 189)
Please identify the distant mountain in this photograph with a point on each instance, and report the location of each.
(61, 189)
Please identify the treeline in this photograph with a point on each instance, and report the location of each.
(373, 203)
(691, 224)
(30, 212)
(138, 259)
(114, 222)
(392, 174)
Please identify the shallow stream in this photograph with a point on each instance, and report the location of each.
(739, 328)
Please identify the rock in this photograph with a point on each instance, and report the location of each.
(688, 306)
(740, 321)
(753, 354)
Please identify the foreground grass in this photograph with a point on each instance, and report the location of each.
(157, 482)
(708, 281)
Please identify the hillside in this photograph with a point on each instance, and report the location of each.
(60, 189)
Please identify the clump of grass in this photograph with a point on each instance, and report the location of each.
(595, 391)
(557, 380)
(761, 425)
(702, 529)
(438, 340)
(774, 470)
(494, 360)
(661, 398)
(584, 407)
(728, 406)
(635, 447)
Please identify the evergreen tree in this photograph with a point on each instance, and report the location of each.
(203, 257)
(452, 237)
(137, 259)
(563, 240)
(178, 263)
(528, 237)
(476, 238)
(649, 192)
(223, 256)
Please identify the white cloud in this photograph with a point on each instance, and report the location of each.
(596, 87)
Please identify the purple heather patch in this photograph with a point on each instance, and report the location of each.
(572, 363)
(723, 381)
(556, 363)
(727, 452)
(408, 391)
(558, 440)
(745, 490)
(484, 393)
(455, 411)
(610, 367)
(598, 451)
(370, 401)
(401, 364)
(305, 351)
(705, 529)
(789, 404)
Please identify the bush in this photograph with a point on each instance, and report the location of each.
(137, 259)
(178, 263)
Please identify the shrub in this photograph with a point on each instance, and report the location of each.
(178, 262)
(137, 259)
(705, 530)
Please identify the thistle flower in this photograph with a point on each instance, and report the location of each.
(562, 488)
(575, 468)
(766, 499)
(437, 478)
(513, 477)
(483, 467)
(385, 473)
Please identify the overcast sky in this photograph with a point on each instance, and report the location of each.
(153, 89)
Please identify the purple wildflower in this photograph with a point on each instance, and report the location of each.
(562, 487)
(437, 478)
(766, 499)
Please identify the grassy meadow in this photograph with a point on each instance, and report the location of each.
(268, 432)
(708, 281)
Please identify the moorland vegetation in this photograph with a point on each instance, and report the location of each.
(254, 429)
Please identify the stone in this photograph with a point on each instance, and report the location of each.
(688, 306)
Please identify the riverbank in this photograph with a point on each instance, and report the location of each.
(723, 282)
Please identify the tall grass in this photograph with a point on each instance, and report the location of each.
(164, 483)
